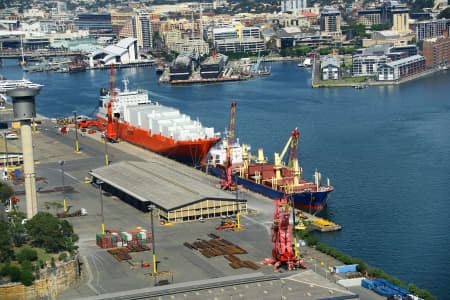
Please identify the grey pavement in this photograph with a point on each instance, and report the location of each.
(106, 275)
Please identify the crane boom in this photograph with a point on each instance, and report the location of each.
(232, 120)
(287, 146)
(109, 132)
(294, 147)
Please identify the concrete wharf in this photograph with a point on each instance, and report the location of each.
(192, 273)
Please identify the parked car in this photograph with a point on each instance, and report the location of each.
(12, 136)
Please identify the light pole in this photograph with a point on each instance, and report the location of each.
(76, 132)
(294, 231)
(152, 207)
(6, 147)
(99, 182)
(105, 139)
(61, 163)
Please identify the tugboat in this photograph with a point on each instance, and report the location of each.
(77, 66)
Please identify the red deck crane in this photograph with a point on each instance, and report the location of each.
(110, 133)
(227, 182)
(232, 120)
(294, 148)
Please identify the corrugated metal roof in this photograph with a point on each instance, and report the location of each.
(330, 60)
(404, 60)
(161, 184)
(125, 43)
(115, 50)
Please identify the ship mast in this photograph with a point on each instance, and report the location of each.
(21, 50)
(232, 121)
(201, 22)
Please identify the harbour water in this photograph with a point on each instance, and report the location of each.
(385, 149)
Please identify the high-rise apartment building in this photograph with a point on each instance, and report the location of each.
(138, 27)
(369, 17)
(293, 5)
(395, 14)
(119, 19)
(330, 21)
(147, 34)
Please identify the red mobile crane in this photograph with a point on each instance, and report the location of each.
(284, 251)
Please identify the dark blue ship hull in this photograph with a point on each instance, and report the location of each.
(305, 200)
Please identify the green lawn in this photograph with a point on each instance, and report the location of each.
(343, 81)
(42, 254)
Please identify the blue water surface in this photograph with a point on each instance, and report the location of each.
(386, 151)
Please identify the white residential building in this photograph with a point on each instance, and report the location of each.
(293, 5)
(329, 67)
(367, 65)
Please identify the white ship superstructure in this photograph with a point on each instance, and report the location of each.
(166, 121)
(219, 152)
(138, 111)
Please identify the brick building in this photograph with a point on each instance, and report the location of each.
(437, 50)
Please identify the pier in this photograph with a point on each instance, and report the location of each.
(37, 53)
(138, 64)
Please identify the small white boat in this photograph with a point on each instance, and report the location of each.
(307, 62)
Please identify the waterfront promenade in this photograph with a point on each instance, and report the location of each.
(316, 83)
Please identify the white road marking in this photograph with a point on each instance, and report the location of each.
(90, 276)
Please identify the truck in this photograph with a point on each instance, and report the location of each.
(78, 213)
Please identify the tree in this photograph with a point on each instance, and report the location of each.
(14, 273)
(16, 228)
(55, 205)
(62, 256)
(378, 27)
(301, 51)
(445, 14)
(26, 277)
(26, 254)
(324, 50)
(6, 192)
(47, 231)
(6, 252)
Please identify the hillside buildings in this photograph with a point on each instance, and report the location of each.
(393, 13)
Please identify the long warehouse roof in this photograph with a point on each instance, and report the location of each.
(156, 182)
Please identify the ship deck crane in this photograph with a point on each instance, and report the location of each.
(227, 182)
(292, 143)
(110, 133)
